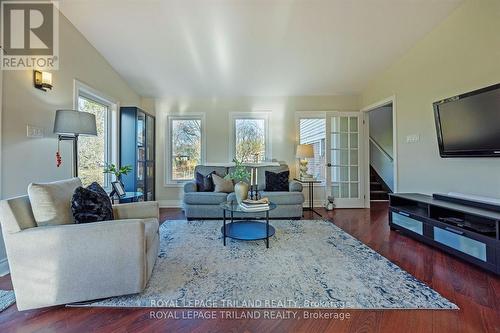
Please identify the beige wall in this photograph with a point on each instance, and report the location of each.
(217, 111)
(460, 55)
(29, 159)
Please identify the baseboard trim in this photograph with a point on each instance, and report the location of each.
(4, 267)
(170, 203)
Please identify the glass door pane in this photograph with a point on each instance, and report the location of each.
(345, 155)
(141, 136)
(150, 138)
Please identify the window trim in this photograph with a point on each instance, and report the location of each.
(88, 92)
(233, 116)
(168, 181)
(308, 115)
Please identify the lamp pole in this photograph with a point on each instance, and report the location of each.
(73, 138)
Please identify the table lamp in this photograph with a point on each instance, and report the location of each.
(304, 152)
(69, 125)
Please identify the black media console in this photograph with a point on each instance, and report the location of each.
(467, 229)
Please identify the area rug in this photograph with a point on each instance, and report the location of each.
(7, 298)
(310, 264)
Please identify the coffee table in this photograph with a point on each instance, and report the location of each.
(246, 229)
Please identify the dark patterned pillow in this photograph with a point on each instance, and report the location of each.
(204, 183)
(91, 204)
(277, 181)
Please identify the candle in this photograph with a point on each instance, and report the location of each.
(255, 176)
(251, 177)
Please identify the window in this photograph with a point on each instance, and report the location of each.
(186, 148)
(93, 151)
(250, 137)
(313, 131)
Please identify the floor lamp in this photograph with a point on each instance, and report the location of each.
(69, 125)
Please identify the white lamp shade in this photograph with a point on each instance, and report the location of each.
(305, 151)
(74, 122)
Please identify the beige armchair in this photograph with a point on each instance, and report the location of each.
(60, 264)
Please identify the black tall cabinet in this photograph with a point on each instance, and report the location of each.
(137, 148)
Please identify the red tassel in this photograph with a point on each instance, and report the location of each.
(58, 156)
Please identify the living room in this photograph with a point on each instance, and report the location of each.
(226, 166)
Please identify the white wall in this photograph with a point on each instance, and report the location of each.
(24, 159)
(282, 128)
(27, 159)
(381, 127)
(460, 55)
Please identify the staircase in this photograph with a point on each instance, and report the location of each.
(378, 189)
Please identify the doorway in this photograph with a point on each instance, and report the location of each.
(381, 152)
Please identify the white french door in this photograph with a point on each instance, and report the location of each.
(344, 157)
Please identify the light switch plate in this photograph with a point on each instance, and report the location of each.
(412, 138)
(34, 131)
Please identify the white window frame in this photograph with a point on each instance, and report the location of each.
(308, 115)
(111, 135)
(233, 116)
(169, 182)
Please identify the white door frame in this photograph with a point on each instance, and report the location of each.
(349, 203)
(365, 110)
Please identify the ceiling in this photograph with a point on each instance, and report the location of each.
(253, 47)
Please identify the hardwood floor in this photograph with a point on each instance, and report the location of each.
(475, 291)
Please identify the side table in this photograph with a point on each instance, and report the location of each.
(310, 184)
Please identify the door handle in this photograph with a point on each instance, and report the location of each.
(329, 165)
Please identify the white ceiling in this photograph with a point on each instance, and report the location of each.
(253, 47)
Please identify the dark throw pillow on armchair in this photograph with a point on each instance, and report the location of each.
(91, 204)
(204, 183)
(277, 181)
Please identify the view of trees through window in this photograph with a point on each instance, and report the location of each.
(92, 149)
(313, 131)
(186, 147)
(250, 138)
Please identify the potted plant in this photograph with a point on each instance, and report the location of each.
(118, 172)
(240, 176)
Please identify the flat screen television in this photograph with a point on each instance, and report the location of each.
(468, 125)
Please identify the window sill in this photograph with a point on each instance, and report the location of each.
(175, 184)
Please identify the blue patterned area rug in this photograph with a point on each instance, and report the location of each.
(7, 298)
(310, 264)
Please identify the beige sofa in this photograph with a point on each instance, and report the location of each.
(65, 263)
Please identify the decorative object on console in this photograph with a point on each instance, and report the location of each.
(240, 176)
(116, 171)
(42, 80)
(91, 204)
(117, 189)
(69, 125)
(304, 151)
(276, 182)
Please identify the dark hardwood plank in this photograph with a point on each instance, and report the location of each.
(475, 291)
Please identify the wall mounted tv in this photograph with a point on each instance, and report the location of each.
(468, 125)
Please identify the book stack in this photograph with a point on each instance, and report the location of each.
(249, 205)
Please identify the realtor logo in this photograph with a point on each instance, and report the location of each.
(29, 35)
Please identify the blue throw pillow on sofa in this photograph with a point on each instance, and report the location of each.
(91, 204)
(277, 182)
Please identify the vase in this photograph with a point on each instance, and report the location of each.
(241, 191)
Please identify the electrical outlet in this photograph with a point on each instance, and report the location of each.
(34, 131)
(412, 138)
